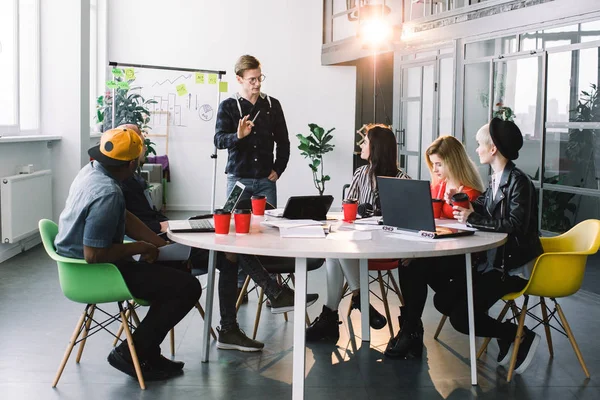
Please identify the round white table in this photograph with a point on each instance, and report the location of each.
(266, 241)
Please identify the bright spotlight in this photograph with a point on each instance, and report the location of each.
(375, 32)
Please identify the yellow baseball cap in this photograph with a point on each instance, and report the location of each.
(117, 147)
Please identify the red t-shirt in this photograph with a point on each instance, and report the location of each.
(437, 191)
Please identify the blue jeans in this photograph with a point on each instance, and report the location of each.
(259, 186)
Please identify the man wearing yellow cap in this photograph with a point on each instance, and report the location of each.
(92, 227)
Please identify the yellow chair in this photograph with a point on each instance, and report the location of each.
(558, 272)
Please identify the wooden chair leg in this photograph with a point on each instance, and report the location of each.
(241, 296)
(349, 321)
(396, 288)
(386, 306)
(440, 326)
(261, 296)
(486, 342)
(563, 319)
(547, 326)
(86, 330)
(201, 311)
(132, 352)
(172, 335)
(70, 346)
(120, 331)
(518, 338)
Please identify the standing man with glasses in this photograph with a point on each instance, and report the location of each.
(250, 125)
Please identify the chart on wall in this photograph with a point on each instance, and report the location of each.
(183, 99)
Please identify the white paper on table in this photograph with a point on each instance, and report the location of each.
(350, 235)
(415, 238)
(456, 225)
(290, 223)
(367, 227)
(171, 252)
(277, 212)
(368, 221)
(311, 231)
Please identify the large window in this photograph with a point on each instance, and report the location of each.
(19, 66)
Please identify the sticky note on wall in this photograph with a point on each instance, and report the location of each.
(123, 85)
(111, 84)
(223, 87)
(117, 72)
(200, 78)
(129, 73)
(212, 79)
(181, 90)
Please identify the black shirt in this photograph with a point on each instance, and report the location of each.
(136, 203)
(252, 156)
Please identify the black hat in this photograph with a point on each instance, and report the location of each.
(507, 137)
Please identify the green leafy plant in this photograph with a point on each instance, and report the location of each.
(504, 113)
(313, 147)
(100, 109)
(131, 107)
(555, 205)
(149, 148)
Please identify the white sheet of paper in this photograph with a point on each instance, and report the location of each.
(455, 225)
(302, 232)
(171, 252)
(291, 223)
(350, 235)
(368, 221)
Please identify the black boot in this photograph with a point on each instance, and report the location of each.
(376, 320)
(406, 344)
(325, 327)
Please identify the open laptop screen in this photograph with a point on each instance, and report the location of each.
(406, 204)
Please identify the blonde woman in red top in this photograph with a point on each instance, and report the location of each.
(452, 171)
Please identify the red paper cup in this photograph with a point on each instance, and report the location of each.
(242, 221)
(258, 205)
(221, 220)
(437, 205)
(350, 210)
(461, 200)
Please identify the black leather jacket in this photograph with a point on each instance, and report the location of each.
(513, 211)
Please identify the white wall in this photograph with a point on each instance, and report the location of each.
(285, 36)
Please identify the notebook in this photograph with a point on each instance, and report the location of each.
(204, 223)
(406, 208)
(307, 207)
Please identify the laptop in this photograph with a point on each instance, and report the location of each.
(204, 223)
(406, 208)
(304, 207)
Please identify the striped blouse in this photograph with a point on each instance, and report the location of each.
(363, 188)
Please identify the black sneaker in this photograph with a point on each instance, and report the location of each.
(170, 364)
(405, 345)
(325, 327)
(526, 350)
(376, 319)
(235, 339)
(285, 301)
(505, 351)
(150, 371)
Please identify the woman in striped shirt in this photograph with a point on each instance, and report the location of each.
(379, 148)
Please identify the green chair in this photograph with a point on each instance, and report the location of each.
(90, 284)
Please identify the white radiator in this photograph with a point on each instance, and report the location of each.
(24, 200)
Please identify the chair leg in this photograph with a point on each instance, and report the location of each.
(518, 338)
(261, 296)
(172, 335)
(487, 340)
(201, 311)
(547, 326)
(563, 319)
(120, 331)
(396, 288)
(70, 346)
(85, 334)
(132, 352)
(386, 306)
(241, 296)
(440, 326)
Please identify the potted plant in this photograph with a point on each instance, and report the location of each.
(131, 107)
(99, 127)
(313, 147)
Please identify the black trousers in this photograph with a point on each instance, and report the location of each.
(172, 293)
(446, 276)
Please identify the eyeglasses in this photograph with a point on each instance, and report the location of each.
(253, 80)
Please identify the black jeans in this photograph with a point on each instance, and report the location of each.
(446, 276)
(172, 293)
(228, 273)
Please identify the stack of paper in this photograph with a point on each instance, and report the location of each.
(302, 228)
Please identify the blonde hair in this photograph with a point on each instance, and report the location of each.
(245, 63)
(483, 136)
(460, 167)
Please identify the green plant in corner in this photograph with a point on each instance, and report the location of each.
(313, 147)
(149, 148)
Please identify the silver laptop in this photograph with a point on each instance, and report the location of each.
(204, 223)
(406, 208)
